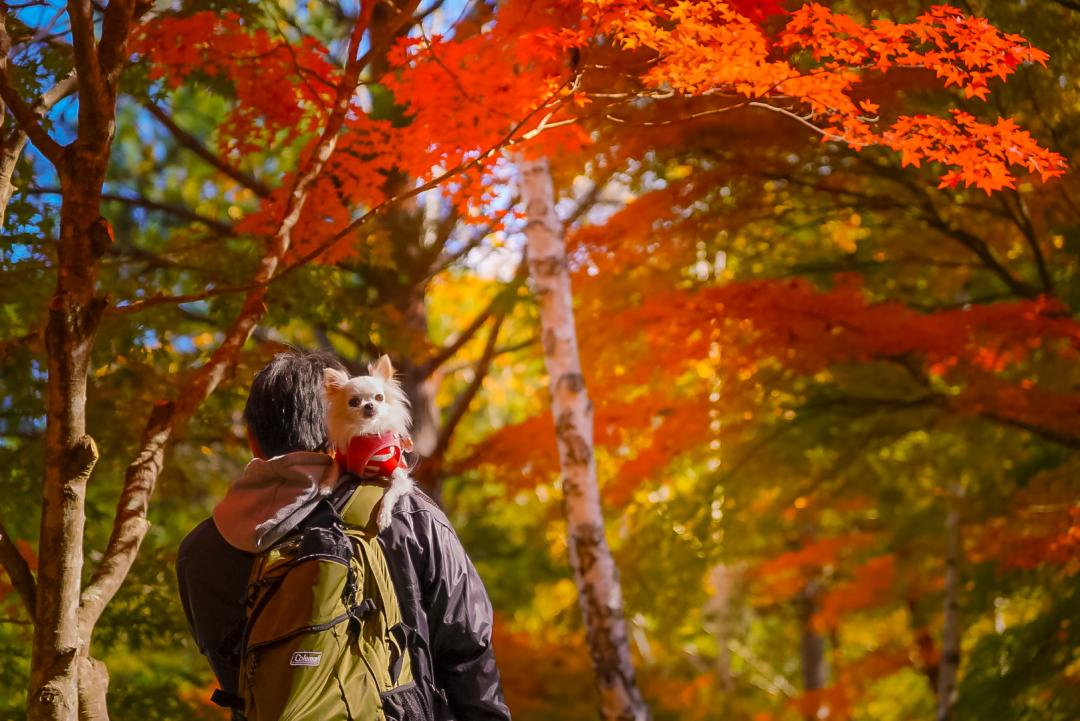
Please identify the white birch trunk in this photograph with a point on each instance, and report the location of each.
(717, 613)
(950, 633)
(590, 558)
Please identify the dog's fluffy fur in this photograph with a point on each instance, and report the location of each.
(370, 405)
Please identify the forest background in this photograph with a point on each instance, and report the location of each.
(831, 344)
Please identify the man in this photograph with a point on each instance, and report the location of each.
(441, 596)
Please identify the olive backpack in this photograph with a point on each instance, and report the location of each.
(324, 638)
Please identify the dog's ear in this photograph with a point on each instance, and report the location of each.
(334, 380)
(382, 368)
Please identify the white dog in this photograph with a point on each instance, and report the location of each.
(367, 421)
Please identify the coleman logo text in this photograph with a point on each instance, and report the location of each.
(306, 658)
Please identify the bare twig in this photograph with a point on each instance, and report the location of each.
(1022, 220)
(1049, 434)
(140, 201)
(27, 118)
(196, 146)
(18, 570)
(14, 144)
(381, 208)
(447, 352)
(461, 404)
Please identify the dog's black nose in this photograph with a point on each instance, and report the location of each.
(369, 410)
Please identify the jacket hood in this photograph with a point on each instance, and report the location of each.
(272, 496)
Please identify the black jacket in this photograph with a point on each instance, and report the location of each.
(441, 597)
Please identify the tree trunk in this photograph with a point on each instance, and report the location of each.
(93, 690)
(718, 619)
(590, 558)
(70, 454)
(421, 386)
(950, 633)
(811, 643)
(66, 684)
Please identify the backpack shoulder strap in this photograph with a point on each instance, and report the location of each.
(357, 502)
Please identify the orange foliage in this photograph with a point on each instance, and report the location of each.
(499, 82)
(527, 447)
(691, 698)
(223, 47)
(851, 684)
(659, 426)
(467, 94)
(675, 430)
(709, 48)
(200, 705)
(536, 670)
(463, 97)
(870, 586)
(808, 330)
(1031, 536)
(783, 576)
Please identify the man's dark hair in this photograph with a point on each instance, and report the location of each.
(286, 409)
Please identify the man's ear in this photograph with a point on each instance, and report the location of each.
(254, 444)
(334, 380)
(382, 368)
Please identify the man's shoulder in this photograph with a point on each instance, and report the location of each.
(205, 542)
(418, 505)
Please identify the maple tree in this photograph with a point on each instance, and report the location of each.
(644, 338)
(755, 412)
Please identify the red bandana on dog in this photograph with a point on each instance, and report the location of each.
(373, 456)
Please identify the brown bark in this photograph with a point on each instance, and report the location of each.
(18, 570)
(15, 141)
(93, 690)
(420, 385)
(74, 314)
(60, 646)
(590, 558)
(811, 642)
(950, 633)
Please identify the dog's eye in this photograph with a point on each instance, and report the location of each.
(378, 397)
(354, 403)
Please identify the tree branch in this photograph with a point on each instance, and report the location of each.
(14, 144)
(982, 251)
(261, 335)
(1069, 4)
(1022, 220)
(93, 99)
(115, 29)
(1049, 434)
(966, 238)
(196, 146)
(130, 524)
(379, 209)
(29, 118)
(509, 139)
(140, 201)
(444, 262)
(18, 570)
(501, 351)
(445, 353)
(461, 404)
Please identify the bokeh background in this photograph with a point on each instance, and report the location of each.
(820, 381)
